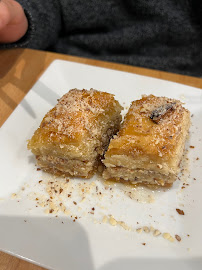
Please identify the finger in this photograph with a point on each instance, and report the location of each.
(11, 12)
(13, 22)
(5, 14)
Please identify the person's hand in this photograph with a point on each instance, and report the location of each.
(13, 22)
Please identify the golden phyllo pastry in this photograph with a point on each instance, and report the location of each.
(74, 135)
(149, 146)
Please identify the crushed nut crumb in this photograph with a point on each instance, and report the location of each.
(178, 238)
(180, 212)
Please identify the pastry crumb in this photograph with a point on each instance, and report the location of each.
(156, 233)
(146, 229)
(112, 221)
(166, 235)
(105, 219)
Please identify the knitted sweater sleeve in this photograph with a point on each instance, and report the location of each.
(44, 20)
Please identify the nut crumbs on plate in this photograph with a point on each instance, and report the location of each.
(178, 237)
(180, 212)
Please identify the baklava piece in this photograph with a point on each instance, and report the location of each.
(149, 146)
(74, 135)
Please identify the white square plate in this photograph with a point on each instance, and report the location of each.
(59, 243)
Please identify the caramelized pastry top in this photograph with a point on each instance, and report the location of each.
(75, 117)
(152, 127)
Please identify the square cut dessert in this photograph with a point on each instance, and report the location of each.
(149, 146)
(74, 135)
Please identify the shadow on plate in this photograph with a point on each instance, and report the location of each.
(56, 243)
(46, 93)
(59, 243)
(153, 264)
